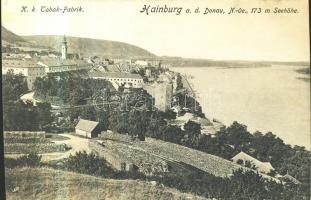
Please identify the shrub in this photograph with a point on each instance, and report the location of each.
(86, 163)
(30, 160)
(33, 147)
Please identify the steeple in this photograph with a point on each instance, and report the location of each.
(64, 48)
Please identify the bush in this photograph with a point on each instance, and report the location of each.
(33, 147)
(30, 160)
(86, 163)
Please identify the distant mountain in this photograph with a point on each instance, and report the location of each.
(84, 46)
(9, 37)
(92, 47)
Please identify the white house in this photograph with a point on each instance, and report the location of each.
(87, 128)
(118, 78)
(28, 68)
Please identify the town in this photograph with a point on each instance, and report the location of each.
(132, 119)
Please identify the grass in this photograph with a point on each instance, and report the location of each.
(47, 183)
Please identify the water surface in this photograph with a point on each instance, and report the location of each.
(264, 98)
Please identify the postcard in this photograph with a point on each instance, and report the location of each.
(155, 99)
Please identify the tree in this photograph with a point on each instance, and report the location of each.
(13, 86)
(169, 114)
(20, 116)
(172, 134)
(137, 124)
(238, 136)
(192, 132)
(156, 125)
(44, 115)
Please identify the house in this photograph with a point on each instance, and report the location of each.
(53, 65)
(86, 128)
(141, 63)
(28, 68)
(119, 78)
(263, 167)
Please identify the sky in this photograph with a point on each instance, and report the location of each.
(277, 37)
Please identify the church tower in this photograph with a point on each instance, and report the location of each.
(64, 48)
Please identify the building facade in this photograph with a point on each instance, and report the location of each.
(57, 65)
(118, 79)
(162, 93)
(27, 68)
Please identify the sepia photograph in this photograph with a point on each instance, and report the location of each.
(155, 100)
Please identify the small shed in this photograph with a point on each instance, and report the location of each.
(87, 128)
(263, 167)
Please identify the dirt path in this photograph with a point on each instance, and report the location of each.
(76, 143)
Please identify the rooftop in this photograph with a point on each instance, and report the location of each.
(261, 166)
(114, 75)
(86, 125)
(61, 62)
(19, 63)
(27, 63)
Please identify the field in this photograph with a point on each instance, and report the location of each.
(28, 144)
(47, 183)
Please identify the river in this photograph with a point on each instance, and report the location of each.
(263, 98)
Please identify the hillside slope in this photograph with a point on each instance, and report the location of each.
(11, 38)
(46, 183)
(93, 47)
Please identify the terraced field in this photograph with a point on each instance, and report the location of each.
(203, 161)
(153, 149)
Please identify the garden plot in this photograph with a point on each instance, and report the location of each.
(26, 145)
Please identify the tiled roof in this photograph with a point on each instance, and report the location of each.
(114, 75)
(86, 125)
(19, 63)
(262, 166)
(61, 62)
(37, 63)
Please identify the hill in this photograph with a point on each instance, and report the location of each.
(92, 47)
(47, 183)
(9, 37)
(84, 46)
